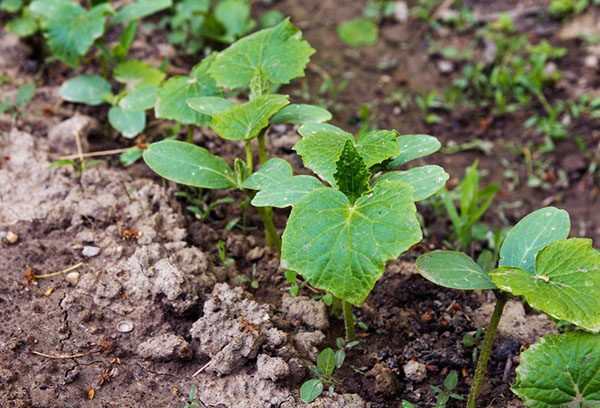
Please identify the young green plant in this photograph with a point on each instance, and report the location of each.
(558, 276)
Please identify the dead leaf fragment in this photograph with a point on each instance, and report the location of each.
(49, 292)
(91, 393)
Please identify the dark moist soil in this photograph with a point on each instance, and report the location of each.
(62, 339)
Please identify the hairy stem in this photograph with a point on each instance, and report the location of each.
(249, 156)
(262, 148)
(271, 235)
(486, 348)
(190, 133)
(348, 321)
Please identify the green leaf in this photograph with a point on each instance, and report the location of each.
(140, 9)
(413, 147)
(47, 8)
(24, 95)
(233, 15)
(342, 248)
(326, 362)
(130, 156)
(244, 122)
(89, 89)
(272, 172)
(311, 390)
(566, 283)
(377, 145)
(426, 180)
(72, 30)
(278, 52)
(128, 123)
(137, 74)
(172, 96)
(24, 25)
(531, 234)
(453, 270)
(209, 105)
(140, 100)
(120, 50)
(351, 175)
(560, 370)
(12, 6)
(340, 356)
(360, 31)
(451, 381)
(271, 18)
(189, 164)
(286, 192)
(298, 114)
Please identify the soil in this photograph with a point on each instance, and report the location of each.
(146, 302)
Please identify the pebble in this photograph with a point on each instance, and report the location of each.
(72, 278)
(401, 12)
(90, 251)
(11, 237)
(445, 67)
(415, 371)
(591, 61)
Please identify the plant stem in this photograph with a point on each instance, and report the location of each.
(190, 133)
(486, 348)
(348, 321)
(262, 148)
(249, 156)
(271, 236)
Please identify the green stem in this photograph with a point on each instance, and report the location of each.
(348, 321)
(272, 237)
(486, 348)
(249, 156)
(190, 133)
(262, 148)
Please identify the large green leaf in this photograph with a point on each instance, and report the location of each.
(89, 89)
(298, 114)
(189, 164)
(47, 8)
(137, 74)
(140, 100)
(279, 53)
(531, 234)
(209, 105)
(72, 30)
(453, 270)
(351, 173)
(426, 180)
(560, 371)
(172, 96)
(342, 247)
(566, 283)
(285, 193)
(244, 122)
(128, 123)
(140, 9)
(412, 147)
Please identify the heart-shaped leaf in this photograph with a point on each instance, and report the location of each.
(453, 270)
(189, 164)
(128, 123)
(566, 282)
(89, 89)
(279, 53)
(342, 247)
(560, 370)
(244, 122)
(137, 74)
(173, 94)
(140, 100)
(298, 114)
(531, 234)
(426, 180)
(140, 9)
(209, 105)
(413, 147)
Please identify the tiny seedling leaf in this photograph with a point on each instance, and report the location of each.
(311, 390)
(131, 156)
(140, 100)
(137, 74)
(23, 25)
(426, 180)
(345, 251)
(244, 122)
(360, 31)
(279, 53)
(531, 234)
(351, 175)
(413, 147)
(560, 370)
(566, 282)
(89, 89)
(298, 114)
(188, 164)
(173, 94)
(451, 381)
(340, 356)
(326, 362)
(209, 105)
(24, 95)
(140, 9)
(128, 123)
(453, 270)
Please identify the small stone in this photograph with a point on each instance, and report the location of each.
(415, 371)
(591, 61)
(255, 253)
(271, 368)
(11, 237)
(90, 251)
(401, 12)
(385, 379)
(445, 66)
(72, 278)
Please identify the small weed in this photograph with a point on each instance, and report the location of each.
(443, 395)
(194, 402)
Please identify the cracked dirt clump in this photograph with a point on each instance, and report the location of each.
(271, 368)
(165, 347)
(308, 311)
